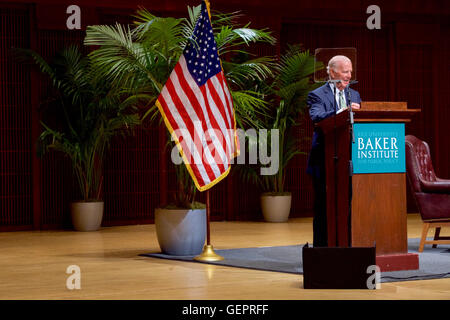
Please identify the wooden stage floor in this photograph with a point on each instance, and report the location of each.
(33, 266)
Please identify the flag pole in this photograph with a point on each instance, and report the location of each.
(208, 7)
(208, 215)
(208, 253)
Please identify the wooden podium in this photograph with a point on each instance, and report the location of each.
(370, 209)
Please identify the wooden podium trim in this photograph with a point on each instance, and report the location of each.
(384, 115)
(383, 105)
(343, 118)
(397, 262)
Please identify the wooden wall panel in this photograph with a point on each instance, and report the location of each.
(442, 103)
(417, 66)
(131, 188)
(58, 186)
(246, 203)
(16, 203)
(297, 180)
(415, 86)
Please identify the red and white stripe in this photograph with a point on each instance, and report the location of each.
(191, 112)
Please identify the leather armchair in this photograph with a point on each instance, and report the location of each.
(432, 194)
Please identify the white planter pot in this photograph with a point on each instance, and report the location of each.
(276, 208)
(87, 215)
(181, 232)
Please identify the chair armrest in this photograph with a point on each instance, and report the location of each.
(438, 186)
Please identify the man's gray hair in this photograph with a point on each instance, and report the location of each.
(333, 63)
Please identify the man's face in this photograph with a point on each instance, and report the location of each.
(343, 72)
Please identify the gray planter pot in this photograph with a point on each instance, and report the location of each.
(276, 208)
(181, 232)
(87, 215)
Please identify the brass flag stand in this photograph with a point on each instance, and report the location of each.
(208, 253)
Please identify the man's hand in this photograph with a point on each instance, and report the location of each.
(355, 105)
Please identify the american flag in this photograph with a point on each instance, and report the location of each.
(198, 109)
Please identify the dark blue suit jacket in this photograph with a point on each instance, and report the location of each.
(322, 105)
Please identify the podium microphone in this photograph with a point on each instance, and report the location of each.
(350, 109)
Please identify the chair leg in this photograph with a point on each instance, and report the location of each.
(436, 235)
(426, 226)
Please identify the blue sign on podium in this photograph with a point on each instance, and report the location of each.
(378, 148)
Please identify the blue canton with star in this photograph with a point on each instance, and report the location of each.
(201, 57)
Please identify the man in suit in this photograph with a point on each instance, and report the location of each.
(325, 102)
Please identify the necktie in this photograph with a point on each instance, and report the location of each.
(341, 100)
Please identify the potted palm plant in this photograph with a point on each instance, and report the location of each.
(286, 91)
(89, 112)
(141, 58)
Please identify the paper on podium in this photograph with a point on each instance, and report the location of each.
(342, 109)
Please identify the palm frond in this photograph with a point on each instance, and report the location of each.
(119, 55)
(143, 16)
(220, 19)
(240, 74)
(289, 91)
(71, 67)
(295, 65)
(25, 54)
(167, 35)
(189, 24)
(228, 37)
(249, 106)
(248, 35)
